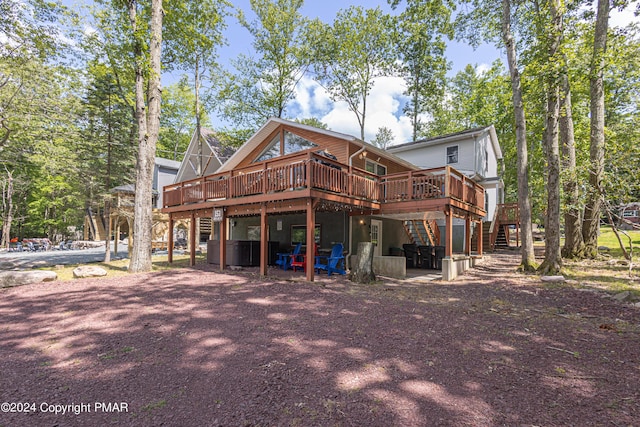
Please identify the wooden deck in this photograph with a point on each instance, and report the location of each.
(311, 175)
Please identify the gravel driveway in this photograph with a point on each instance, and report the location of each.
(192, 347)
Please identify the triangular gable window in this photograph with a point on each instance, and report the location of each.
(272, 150)
(294, 143)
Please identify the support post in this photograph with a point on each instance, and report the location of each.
(448, 232)
(480, 237)
(311, 239)
(170, 240)
(263, 240)
(116, 236)
(223, 241)
(192, 240)
(467, 235)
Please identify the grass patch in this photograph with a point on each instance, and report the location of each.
(155, 405)
(608, 238)
(119, 267)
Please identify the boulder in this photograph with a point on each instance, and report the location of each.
(88, 271)
(552, 279)
(17, 278)
(622, 296)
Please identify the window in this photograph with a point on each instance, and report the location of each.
(373, 167)
(629, 214)
(294, 143)
(272, 150)
(452, 154)
(299, 234)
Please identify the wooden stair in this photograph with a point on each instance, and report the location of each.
(423, 232)
(94, 227)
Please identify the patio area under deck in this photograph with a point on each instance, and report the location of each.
(309, 182)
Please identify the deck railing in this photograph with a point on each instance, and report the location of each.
(312, 170)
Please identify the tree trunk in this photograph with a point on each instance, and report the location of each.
(147, 139)
(107, 230)
(524, 203)
(573, 243)
(552, 263)
(591, 224)
(7, 201)
(363, 271)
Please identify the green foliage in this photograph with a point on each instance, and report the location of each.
(351, 53)
(383, 138)
(421, 28)
(177, 122)
(262, 86)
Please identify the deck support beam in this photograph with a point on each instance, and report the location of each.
(223, 240)
(480, 237)
(467, 235)
(448, 232)
(263, 240)
(311, 239)
(170, 239)
(192, 239)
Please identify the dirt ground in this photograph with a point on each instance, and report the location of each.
(192, 347)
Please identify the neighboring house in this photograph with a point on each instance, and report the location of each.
(629, 216)
(292, 183)
(121, 214)
(474, 152)
(164, 173)
(204, 156)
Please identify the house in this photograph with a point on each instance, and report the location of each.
(121, 211)
(477, 154)
(204, 156)
(474, 152)
(629, 216)
(292, 183)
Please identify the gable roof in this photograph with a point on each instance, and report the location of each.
(273, 123)
(167, 163)
(217, 152)
(452, 137)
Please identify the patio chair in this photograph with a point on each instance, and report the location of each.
(284, 259)
(411, 253)
(333, 261)
(426, 256)
(300, 260)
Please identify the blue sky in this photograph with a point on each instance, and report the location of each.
(384, 106)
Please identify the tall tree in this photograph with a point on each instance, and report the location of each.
(592, 212)
(262, 86)
(524, 203)
(422, 27)
(148, 129)
(383, 138)
(552, 38)
(193, 33)
(351, 54)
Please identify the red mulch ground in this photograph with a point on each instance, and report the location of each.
(195, 348)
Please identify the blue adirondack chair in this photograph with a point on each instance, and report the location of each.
(333, 261)
(284, 259)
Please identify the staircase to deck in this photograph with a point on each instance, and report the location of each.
(423, 232)
(95, 226)
(496, 233)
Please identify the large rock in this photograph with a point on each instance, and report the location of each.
(17, 278)
(553, 279)
(88, 271)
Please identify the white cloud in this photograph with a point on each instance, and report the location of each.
(383, 109)
(622, 18)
